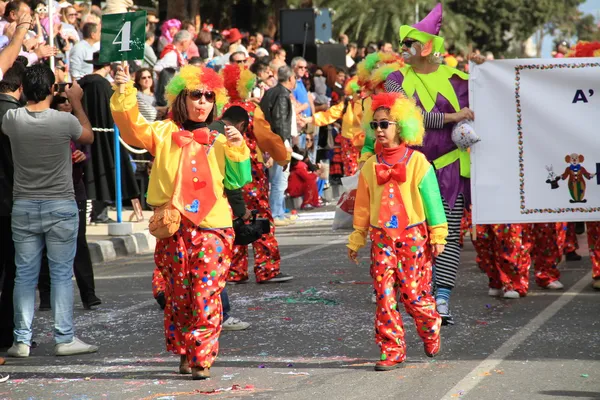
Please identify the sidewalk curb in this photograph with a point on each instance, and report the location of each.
(121, 246)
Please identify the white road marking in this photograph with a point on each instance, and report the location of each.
(474, 378)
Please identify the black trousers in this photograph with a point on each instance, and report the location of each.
(82, 265)
(8, 270)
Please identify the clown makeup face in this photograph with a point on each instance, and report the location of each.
(385, 130)
(199, 104)
(411, 49)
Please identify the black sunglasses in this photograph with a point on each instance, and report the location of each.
(408, 43)
(383, 124)
(208, 95)
(239, 61)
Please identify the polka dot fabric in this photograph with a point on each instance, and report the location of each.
(194, 263)
(593, 235)
(546, 243)
(402, 268)
(500, 253)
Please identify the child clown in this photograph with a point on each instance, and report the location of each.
(398, 203)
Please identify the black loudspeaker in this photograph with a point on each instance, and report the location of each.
(305, 26)
(319, 54)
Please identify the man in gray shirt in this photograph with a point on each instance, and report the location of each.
(44, 210)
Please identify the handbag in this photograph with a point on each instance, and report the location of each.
(165, 221)
(246, 233)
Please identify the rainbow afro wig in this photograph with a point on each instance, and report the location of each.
(352, 87)
(403, 111)
(585, 49)
(371, 63)
(239, 82)
(380, 74)
(192, 78)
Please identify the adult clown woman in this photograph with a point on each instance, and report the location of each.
(193, 166)
(442, 92)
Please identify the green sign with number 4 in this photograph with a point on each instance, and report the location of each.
(123, 37)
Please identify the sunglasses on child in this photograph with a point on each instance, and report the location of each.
(383, 124)
(198, 94)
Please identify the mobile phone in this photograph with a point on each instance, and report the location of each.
(60, 87)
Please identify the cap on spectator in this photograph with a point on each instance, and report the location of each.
(262, 52)
(64, 4)
(95, 61)
(234, 35)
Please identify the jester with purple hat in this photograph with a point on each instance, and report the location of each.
(442, 92)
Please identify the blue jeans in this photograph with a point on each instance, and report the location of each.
(35, 224)
(225, 303)
(278, 181)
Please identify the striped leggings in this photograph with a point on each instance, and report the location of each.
(446, 264)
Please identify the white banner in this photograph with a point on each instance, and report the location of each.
(539, 123)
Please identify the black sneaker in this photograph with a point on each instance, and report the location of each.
(573, 256)
(443, 310)
(279, 278)
(92, 302)
(580, 228)
(242, 282)
(160, 299)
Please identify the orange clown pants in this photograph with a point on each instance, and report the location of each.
(266, 249)
(194, 263)
(499, 254)
(545, 243)
(403, 267)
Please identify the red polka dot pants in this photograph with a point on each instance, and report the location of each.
(499, 254)
(266, 249)
(158, 283)
(351, 155)
(593, 236)
(571, 243)
(402, 267)
(194, 263)
(546, 244)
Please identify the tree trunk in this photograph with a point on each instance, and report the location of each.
(194, 7)
(178, 9)
(273, 24)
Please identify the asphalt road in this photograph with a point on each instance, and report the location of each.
(312, 338)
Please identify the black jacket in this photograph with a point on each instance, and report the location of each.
(6, 161)
(277, 107)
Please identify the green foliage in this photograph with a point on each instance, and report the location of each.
(371, 21)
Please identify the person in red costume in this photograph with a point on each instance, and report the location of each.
(303, 183)
(239, 82)
(196, 161)
(398, 203)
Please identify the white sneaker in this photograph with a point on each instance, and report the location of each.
(19, 350)
(495, 292)
(556, 285)
(234, 324)
(75, 347)
(512, 294)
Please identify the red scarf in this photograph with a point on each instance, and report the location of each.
(390, 171)
(171, 47)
